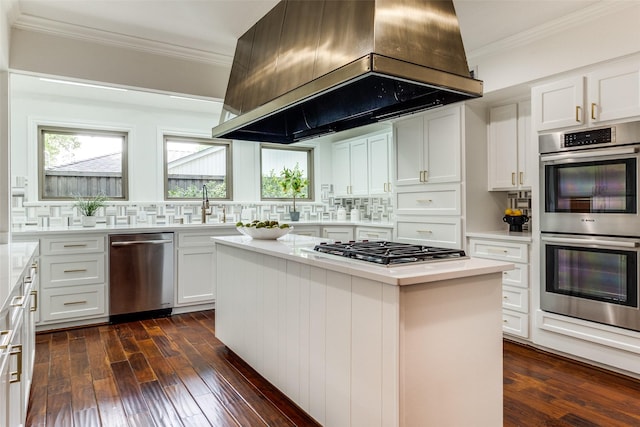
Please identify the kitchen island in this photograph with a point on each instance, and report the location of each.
(356, 344)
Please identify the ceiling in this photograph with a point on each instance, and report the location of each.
(210, 28)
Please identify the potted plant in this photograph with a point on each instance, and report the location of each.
(292, 182)
(89, 207)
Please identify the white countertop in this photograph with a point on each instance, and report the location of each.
(13, 260)
(300, 249)
(28, 231)
(518, 236)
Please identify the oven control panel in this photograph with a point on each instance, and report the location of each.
(589, 137)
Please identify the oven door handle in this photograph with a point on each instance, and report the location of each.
(580, 155)
(590, 242)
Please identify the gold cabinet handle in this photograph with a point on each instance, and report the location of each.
(17, 301)
(513, 178)
(34, 307)
(424, 200)
(426, 176)
(578, 113)
(75, 302)
(17, 375)
(593, 111)
(76, 270)
(421, 176)
(425, 231)
(5, 336)
(521, 178)
(75, 245)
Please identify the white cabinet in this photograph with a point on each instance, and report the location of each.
(428, 148)
(306, 230)
(379, 148)
(350, 170)
(509, 145)
(17, 346)
(338, 233)
(515, 283)
(374, 233)
(435, 199)
(196, 258)
(613, 93)
(441, 231)
(73, 279)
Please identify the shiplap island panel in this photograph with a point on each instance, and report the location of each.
(356, 344)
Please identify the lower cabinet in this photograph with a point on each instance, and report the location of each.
(515, 283)
(441, 231)
(338, 233)
(306, 230)
(374, 233)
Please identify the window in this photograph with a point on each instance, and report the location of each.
(191, 163)
(82, 162)
(273, 159)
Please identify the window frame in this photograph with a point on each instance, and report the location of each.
(199, 140)
(310, 171)
(71, 130)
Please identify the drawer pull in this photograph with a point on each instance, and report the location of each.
(425, 231)
(27, 280)
(505, 321)
(424, 200)
(76, 270)
(5, 336)
(74, 245)
(34, 307)
(372, 235)
(497, 251)
(17, 301)
(505, 297)
(34, 266)
(75, 302)
(17, 375)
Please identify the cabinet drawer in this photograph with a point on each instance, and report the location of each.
(373, 233)
(516, 299)
(519, 276)
(204, 238)
(306, 230)
(72, 270)
(71, 244)
(436, 200)
(67, 303)
(515, 323)
(503, 251)
(443, 232)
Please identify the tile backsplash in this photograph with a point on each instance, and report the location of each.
(63, 213)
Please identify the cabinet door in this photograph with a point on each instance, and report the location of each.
(379, 164)
(409, 158)
(559, 104)
(4, 387)
(196, 275)
(358, 168)
(614, 93)
(442, 143)
(503, 147)
(341, 165)
(524, 144)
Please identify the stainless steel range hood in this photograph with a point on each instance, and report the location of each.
(312, 67)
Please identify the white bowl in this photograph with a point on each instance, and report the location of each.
(264, 233)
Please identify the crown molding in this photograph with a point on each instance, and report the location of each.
(551, 28)
(78, 32)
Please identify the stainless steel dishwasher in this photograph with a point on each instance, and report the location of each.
(140, 275)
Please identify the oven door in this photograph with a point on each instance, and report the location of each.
(591, 191)
(591, 278)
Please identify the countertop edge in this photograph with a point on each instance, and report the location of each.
(300, 249)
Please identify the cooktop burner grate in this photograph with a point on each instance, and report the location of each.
(389, 253)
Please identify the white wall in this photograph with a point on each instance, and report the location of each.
(606, 31)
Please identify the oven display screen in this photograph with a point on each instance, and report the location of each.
(591, 187)
(598, 274)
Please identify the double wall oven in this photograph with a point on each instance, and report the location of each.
(589, 222)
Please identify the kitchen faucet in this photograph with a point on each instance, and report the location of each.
(206, 209)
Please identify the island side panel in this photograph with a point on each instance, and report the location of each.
(328, 340)
(451, 353)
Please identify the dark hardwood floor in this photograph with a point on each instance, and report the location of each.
(173, 372)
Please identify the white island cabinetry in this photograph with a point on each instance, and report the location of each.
(355, 344)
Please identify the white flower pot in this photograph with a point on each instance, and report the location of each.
(89, 221)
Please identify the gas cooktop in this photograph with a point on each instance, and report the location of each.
(389, 253)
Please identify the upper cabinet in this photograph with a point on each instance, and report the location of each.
(362, 166)
(613, 93)
(428, 148)
(509, 144)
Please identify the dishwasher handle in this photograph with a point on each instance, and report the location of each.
(142, 242)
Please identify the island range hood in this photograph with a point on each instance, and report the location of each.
(313, 67)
